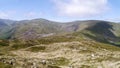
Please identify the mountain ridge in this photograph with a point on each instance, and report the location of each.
(37, 28)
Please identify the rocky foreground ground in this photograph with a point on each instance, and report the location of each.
(76, 54)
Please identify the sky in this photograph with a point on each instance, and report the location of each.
(60, 10)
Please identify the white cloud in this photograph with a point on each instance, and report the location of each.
(6, 14)
(3, 15)
(114, 19)
(32, 14)
(81, 8)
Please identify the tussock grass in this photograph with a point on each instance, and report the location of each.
(53, 66)
(2, 65)
(4, 43)
(37, 49)
(59, 61)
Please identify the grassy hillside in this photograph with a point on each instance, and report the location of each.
(35, 28)
(6, 28)
(116, 29)
(76, 50)
(41, 43)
